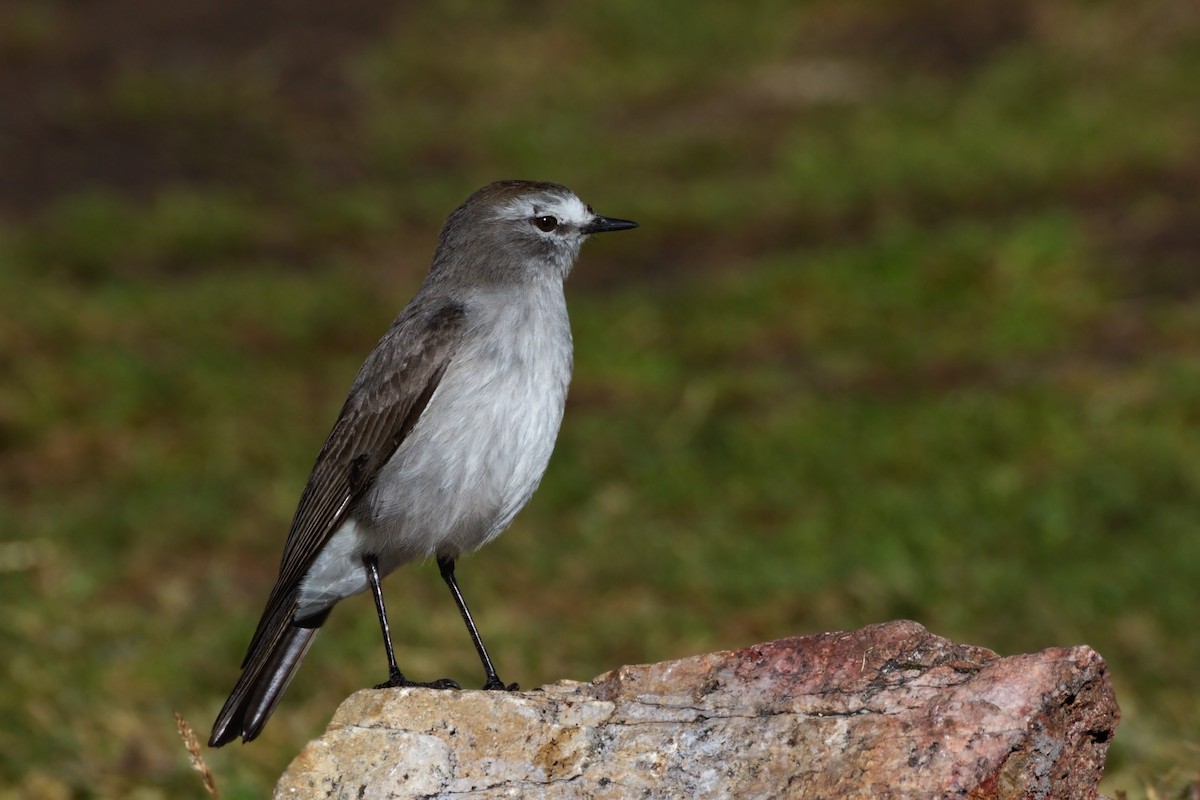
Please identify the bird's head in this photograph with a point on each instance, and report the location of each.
(520, 228)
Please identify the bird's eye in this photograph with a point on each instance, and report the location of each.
(546, 224)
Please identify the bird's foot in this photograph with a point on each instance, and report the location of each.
(497, 685)
(397, 680)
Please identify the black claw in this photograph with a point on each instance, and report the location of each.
(398, 681)
(395, 678)
(497, 685)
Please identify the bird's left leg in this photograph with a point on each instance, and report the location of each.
(395, 676)
(446, 566)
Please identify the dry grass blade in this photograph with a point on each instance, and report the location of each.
(193, 747)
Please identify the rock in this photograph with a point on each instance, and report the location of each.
(889, 711)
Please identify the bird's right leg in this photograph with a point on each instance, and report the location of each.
(395, 676)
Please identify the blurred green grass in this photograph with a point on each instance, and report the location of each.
(910, 330)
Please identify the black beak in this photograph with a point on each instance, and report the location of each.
(606, 224)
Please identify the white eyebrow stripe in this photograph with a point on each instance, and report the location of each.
(571, 210)
(574, 211)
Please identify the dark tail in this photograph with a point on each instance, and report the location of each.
(274, 656)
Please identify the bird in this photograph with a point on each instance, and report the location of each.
(444, 436)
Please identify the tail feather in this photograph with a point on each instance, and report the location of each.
(269, 667)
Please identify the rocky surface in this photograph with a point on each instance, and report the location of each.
(889, 711)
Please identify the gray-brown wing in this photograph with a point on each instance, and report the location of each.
(391, 390)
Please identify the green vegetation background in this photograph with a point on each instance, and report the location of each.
(911, 329)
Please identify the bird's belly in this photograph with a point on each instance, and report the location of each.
(471, 462)
(475, 456)
(455, 484)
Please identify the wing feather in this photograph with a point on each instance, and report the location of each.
(391, 391)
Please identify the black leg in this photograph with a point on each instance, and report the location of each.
(395, 676)
(446, 565)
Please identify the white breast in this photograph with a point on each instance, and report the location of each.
(475, 456)
(480, 449)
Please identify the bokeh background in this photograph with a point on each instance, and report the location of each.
(911, 329)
